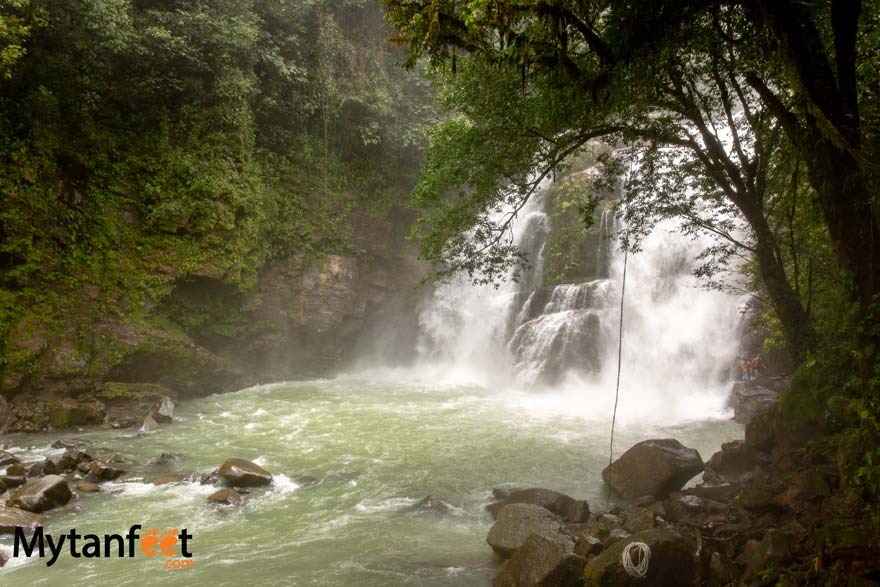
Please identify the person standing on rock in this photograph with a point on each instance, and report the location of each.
(757, 366)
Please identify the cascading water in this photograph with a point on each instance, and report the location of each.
(679, 339)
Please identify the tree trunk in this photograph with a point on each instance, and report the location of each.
(797, 326)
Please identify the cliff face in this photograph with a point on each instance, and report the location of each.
(303, 317)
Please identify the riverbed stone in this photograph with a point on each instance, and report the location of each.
(242, 473)
(673, 562)
(11, 518)
(7, 458)
(42, 494)
(70, 443)
(569, 509)
(542, 561)
(87, 487)
(518, 521)
(434, 503)
(653, 467)
(163, 410)
(107, 471)
(227, 497)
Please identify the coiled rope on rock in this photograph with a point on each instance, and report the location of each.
(637, 567)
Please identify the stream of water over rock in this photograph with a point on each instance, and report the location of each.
(513, 388)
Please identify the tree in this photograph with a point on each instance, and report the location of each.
(697, 84)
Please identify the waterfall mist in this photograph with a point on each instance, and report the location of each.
(555, 347)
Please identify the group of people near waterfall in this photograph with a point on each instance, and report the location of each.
(751, 370)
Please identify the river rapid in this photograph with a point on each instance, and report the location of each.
(376, 444)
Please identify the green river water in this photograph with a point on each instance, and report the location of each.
(376, 448)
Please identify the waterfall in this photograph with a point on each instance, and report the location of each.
(679, 339)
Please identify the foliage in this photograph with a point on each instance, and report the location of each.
(142, 143)
(715, 104)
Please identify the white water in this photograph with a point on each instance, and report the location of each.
(679, 339)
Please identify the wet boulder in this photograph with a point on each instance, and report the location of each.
(751, 399)
(107, 471)
(86, 487)
(7, 458)
(569, 509)
(518, 521)
(41, 495)
(242, 473)
(12, 518)
(434, 503)
(70, 443)
(226, 497)
(653, 467)
(73, 457)
(149, 424)
(733, 462)
(672, 564)
(542, 561)
(163, 410)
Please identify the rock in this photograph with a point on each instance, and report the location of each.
(86, 487)
(69, 412)
(516, 522)
(41, 495)
(672, 563)
(10, 518)
(242, 473)
(733, 462)
(751, 399)
(17, 470)
(653, 467)
(502, 493)
(163, 410)
(615, 536)
(804, 488)
(73, 457)
(541, 562)
(107, 471)
(149, 424)
(774, 547)
(2, 487)
(4, 558)
(567, 508)
(206, 478)
(165, 459)
(70, 443)
(227, 497)
(13, 480)
(52, 466)
(7, 458)
(587, 545)
(433, 503)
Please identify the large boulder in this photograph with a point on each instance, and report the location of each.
(569, 509)
(12, 518)
(163, 410)
(672, 564)
(733, 462)
(242, 473)
(750, 399)
(542, 562)
(516, 522)
(653, 467)
(41, 495)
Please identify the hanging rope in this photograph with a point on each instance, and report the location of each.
(637, 568)
(619, 359)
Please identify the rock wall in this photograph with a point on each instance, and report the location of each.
(304, 316)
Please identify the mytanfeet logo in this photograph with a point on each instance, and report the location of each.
(151, 543)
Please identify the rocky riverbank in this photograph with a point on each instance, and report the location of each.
(767, 512)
